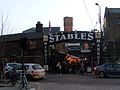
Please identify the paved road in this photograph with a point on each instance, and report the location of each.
(72, 82)
(78, 79)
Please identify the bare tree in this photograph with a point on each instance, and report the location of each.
(3, 22)
(3, 25)
(3, 28)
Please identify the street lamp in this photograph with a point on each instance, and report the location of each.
(99, 15)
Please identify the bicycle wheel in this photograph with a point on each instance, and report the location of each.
(21, 84)
(13, 81)
(26, 83)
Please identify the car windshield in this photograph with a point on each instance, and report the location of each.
(37, 66)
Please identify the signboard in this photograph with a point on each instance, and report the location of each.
(98, 51)
(46, 55)
(61, 37)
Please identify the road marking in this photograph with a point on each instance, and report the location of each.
(32, 89)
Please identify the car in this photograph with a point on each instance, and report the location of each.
(10, 66)
(107, 69)
(32, 70)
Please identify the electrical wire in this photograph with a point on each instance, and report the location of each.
(88, 13)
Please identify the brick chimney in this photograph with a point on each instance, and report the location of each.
(39, 27)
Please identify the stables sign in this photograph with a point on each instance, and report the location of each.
(65, 36)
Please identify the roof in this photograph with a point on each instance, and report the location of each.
(112, 10)
(31, 64)
(13, 37)
(30, 34)
(45, 30)
(33, 29)
(53, 30)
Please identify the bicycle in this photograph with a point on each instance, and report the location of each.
(11, 77)
(23, 83)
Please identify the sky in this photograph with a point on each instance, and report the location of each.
(24, 14)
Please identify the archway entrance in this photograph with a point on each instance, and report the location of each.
(78, 46)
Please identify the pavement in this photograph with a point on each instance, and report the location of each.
(61, 86)
(4, 86)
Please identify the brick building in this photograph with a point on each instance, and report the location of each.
(10, 45)
(112, 32)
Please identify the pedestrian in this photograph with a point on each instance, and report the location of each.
(59, 68)
(65, 67)
(73, 67)
(82, 68)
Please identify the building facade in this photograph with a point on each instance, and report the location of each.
(112, 32)
(11, 50)
(80, 44)
(10, 45)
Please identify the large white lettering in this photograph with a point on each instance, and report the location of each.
(70, 36)
(90, 36)
(77, 36)
(83, 36)
(51, 38)
(62, 37)
(57, 37)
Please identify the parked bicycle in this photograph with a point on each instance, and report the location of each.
(11, 77)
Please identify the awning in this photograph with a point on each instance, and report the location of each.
(72, 58)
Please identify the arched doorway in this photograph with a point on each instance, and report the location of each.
(51, 55)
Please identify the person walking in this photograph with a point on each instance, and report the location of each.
(59, 68)
(82, 66)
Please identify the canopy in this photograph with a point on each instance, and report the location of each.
(72, 58)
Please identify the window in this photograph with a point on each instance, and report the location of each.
(37, 67)
(32, 44)
(116, 66)
(118, 21)
(108, 66)
(19, 67)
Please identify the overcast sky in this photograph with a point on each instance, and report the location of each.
(24, 14)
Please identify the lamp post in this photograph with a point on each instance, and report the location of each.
(99, 16)
(99, 40)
